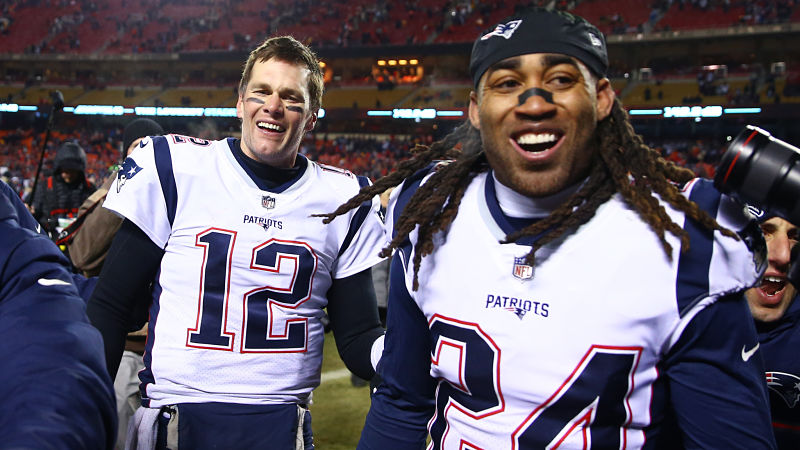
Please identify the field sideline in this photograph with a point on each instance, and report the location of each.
(338, 409)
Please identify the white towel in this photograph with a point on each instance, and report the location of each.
(143, 429)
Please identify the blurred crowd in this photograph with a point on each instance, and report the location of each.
(21, 149)
(159, 26)
(371, 156)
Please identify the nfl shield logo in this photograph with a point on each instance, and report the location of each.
(267, 201)
(521, 269)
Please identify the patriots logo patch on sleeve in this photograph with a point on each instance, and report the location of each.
(128, 170)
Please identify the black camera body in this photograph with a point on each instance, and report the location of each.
(764, 172)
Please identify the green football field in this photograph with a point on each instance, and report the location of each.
(338, 409)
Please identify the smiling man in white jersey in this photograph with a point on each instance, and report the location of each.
(558, 284)
(240, 273)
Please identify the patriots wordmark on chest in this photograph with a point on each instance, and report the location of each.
(522, 270)
(267, 201)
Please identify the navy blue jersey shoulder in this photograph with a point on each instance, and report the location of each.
(52, 356)
(358, 218)
(11, 207)
(410, 186)
(166, 176)
(694, 264)
(15, 207)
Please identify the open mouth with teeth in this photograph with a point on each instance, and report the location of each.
(772, 286)
(538, 142)
(270, 127)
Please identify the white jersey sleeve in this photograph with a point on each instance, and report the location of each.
(138, 193)
(364, 240)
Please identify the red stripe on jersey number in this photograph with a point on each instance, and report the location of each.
(592, 404)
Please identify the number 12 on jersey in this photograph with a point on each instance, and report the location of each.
(292, 260)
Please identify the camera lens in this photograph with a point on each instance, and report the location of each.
(762, 171)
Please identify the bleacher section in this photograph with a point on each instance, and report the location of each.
(197, 96)
(667, 92)
(689, 17)
(115, 95)
(440, 97)
(127, 26)
(364, 97)
(630, 14)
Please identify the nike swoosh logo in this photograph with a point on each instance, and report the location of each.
(747, 354)
(52, 282)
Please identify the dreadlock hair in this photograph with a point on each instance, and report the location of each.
(623, 163)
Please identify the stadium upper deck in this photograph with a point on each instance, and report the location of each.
(189, 53)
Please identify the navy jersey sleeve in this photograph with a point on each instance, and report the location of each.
(353, 310)
(24, 217)
(54, 385)
(25, 220)
(716, 380)
(121, 297)
(403, 403)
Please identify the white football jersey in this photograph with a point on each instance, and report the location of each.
(565, 352)
(242, 285)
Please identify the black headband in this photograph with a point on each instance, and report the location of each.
(539, 30)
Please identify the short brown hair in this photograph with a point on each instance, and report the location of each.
(289, 49)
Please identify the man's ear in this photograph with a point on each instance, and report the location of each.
(473, 110)
(311, 122)
(240, 107)
(605, 98)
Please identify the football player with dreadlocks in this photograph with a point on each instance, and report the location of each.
(558, 284)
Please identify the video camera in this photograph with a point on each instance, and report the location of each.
(764, 172)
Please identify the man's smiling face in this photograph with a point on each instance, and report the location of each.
(537, 114)
(275, 112)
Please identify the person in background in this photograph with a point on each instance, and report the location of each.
(89, 237)
(55, 388)
(555, 282)
(59, 196)
(774, 306)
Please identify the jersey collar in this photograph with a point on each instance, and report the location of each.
(266, 177)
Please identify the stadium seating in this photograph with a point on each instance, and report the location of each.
(440, 97)
(125, 26)
(689, 17)
(365, 97)
(116, 95)
(197, 96)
